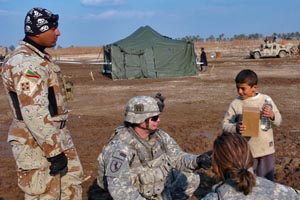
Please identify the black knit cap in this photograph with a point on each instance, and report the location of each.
(39, 20)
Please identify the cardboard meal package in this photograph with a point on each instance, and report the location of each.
(251, 117)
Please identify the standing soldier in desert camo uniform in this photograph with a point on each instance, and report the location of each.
(48, 166)
(143, 162)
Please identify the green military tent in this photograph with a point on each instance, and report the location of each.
(147, 54)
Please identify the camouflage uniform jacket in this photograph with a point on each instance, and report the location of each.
(263, 144)
(263, 190)
(133, 168)
(34, 85)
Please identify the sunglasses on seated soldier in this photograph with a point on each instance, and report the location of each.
(154, 118)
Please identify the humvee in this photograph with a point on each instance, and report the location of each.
(270, 49)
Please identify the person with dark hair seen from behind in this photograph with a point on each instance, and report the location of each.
(262, 146)
(48, 166)
(203, 61)
(140, 161)
(232, 164)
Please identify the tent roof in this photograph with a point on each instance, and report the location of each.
(145, 37)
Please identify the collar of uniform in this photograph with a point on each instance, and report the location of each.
(33, 43)
(36, 50)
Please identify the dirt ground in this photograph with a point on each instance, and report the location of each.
(195, 107)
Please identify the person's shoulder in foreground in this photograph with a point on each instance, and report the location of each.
(232, 163)
(263, 190)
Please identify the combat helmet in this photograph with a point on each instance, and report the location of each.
(140, 108)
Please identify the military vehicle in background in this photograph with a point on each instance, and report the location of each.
(270, 49)
(3, 52)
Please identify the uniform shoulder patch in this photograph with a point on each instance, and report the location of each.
(117, 164)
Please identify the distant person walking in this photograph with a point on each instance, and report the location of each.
(203, 60)
(48, 166)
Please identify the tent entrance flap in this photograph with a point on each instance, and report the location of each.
(149, 66)
(140, 65)
(133, 66)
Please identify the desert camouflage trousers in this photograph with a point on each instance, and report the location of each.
(36, 182)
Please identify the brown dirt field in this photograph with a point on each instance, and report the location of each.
(194, 109)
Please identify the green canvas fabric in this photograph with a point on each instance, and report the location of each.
(148, 54)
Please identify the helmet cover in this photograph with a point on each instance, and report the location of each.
(140, 108)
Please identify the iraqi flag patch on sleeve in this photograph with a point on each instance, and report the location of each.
(32, 74)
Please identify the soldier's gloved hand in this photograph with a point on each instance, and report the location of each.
(59, 164)
(204, 160)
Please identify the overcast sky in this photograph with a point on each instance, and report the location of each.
(100, 22)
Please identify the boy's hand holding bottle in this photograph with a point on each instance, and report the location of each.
(268, 112)
(267, 115)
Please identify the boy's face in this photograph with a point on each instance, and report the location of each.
(245, 91)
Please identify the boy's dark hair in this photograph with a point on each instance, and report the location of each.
(247, 76)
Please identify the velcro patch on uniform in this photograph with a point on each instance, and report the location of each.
(119, 155)
(31, 74)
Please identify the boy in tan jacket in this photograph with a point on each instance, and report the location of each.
(262, 146)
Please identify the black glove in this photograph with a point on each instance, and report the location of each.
(59, 164)
(204, 160)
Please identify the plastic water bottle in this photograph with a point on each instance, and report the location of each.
(265, 121)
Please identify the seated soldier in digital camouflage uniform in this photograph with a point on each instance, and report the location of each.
(143, 162)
